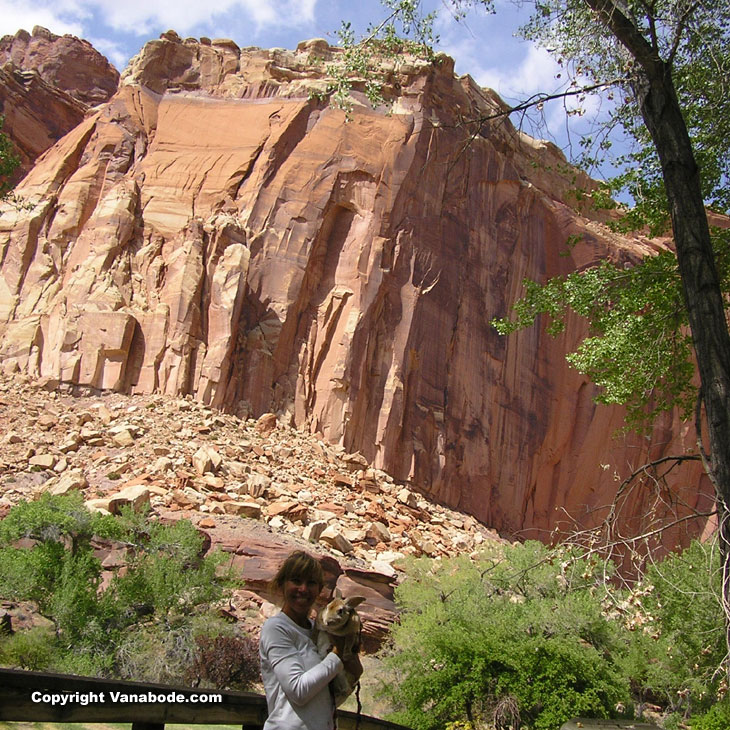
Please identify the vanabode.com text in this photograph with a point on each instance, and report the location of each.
(87, 698)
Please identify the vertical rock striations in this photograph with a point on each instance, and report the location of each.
(214, 229)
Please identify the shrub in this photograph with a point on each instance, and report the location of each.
(677, 637)
(225, 662)
(156, 651)
(717, 718)
(512, 635)
(167, 581)
(167, 573)
(530, 636)
(31, 649)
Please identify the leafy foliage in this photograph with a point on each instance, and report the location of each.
(717, 718)
(518, 630)
(677, 642)
(32, 649)
(693, 39)
(9, 161)
(51, 520)
(647, 340)
(685, 36)
(166, 584)
(59, 571)
(639, 350)
(166, 572)
(530, 636)
(405, 31)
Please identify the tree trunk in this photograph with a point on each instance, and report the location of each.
(662, 115)
(701, 284)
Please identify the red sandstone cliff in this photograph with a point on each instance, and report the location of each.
(47, 83)
(214, 229)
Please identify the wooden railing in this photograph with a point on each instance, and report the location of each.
(43, 697)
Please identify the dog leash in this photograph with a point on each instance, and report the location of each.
(357, 686)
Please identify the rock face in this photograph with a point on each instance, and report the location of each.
(67, 63)
(215, 229)
(47, 83)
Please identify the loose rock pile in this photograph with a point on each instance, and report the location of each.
(258, 488)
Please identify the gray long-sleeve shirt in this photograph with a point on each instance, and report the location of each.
(295, 677)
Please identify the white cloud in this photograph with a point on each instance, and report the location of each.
(486, 47)
(116, 29)
(535, 73)
(142, 17)
(14, 16)
(113, 51)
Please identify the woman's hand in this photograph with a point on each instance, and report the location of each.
(351, 663)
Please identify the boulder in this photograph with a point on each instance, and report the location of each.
(71, 480)
(134, 497)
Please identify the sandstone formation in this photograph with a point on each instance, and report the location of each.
(47, 83)
(216, 229)
(67, 63)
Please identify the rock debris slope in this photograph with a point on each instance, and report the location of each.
(256, 488)
(217, 230)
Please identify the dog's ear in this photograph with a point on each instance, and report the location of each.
(354, 601)
(337, 593)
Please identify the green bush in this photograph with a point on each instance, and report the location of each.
(517, 634)
(531, 636)
(717, 718)
(167, 572)
(677, 641)
(167, 582)
(32, 649)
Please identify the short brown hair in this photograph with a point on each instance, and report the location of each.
(301, 565)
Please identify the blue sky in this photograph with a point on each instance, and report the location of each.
(482, 45)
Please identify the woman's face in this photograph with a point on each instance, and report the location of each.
(299, 597)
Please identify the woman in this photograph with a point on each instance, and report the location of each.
(296, 678)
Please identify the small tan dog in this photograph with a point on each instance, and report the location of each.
(338, 623)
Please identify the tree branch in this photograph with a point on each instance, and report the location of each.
(643, 469)
(627, 33)
(541, 98)
(650, 16)
(681, 26)
(536, 100)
